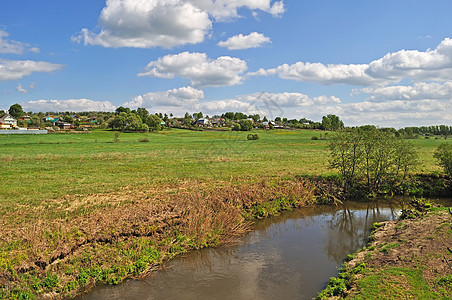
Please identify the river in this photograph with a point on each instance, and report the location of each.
(290, 256)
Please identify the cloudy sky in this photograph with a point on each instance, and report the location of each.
(387, 63)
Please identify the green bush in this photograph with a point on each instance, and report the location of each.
(252, 136)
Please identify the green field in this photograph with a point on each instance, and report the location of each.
(38, 167)
(90, 192)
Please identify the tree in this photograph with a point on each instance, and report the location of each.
(346, 156)
(2, 113)
(246, 125)
(332, 122)
(16, 111)
(154, 123)
(143, 113)
(372, 157)
(122, 109)
(443, 155)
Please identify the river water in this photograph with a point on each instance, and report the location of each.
(290, 256)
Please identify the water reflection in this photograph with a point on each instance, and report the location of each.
(287, 257)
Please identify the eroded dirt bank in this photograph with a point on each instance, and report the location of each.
(406, 259)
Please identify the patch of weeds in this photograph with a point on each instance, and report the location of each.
(376, 225)
(83, 278)
(388, 247)
(445, 281)
(144, 140)
(21, 295)
(395, 283)
(337, 286)
(350, 257)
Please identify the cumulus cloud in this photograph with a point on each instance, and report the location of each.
(224, 10)
(202, 71)
(397, 113)
(239, 42)
(393, 67)
(320, 73)
(78, 105)
(17, 69)
(165, 23)
(21, 89)
(418, 91)
(14, 47)
(185, 97)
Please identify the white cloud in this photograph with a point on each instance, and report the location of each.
(165, 23)
(20, 89)
(16, 69)
(202, 71)
(393, 67)
(320, 73)
(184, 97)
(419, 91)
(397, 113)
(239, 42)
(76, 105)
(14, 47)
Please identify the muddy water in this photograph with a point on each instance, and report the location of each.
(291, 256)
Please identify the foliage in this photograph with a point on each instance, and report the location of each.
(367, 155)
(16, 111)
(443, 155)
(332, 122)
(252, 136)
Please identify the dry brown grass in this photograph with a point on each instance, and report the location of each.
(187, 214)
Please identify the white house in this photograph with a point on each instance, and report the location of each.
(7, 121)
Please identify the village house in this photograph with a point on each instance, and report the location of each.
(7, 122)
(63, 125)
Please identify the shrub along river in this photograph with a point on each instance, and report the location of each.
(290, 256)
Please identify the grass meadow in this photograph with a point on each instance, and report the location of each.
(79, 208)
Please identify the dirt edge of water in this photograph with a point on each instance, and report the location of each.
(405, 259)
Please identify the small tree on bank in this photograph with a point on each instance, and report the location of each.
(443, 155)
(370, 157)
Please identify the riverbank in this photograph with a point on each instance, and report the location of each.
(405, 259)
(131, 232)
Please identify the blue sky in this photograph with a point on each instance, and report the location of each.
(387, 63)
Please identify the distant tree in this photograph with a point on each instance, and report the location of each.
(332, 122)
(245, 125)
(443, 154)
(197, 116)
(118, 122)
(143, 113)
(256, 118)
(68, 119)
(445, 131)
(122, 109)
(154, 123)
(16, 111)
(2, 113)
(265, 119)
(278, 119)
(326, 123)
(228, 116)
(187, 116)
(240, 116)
